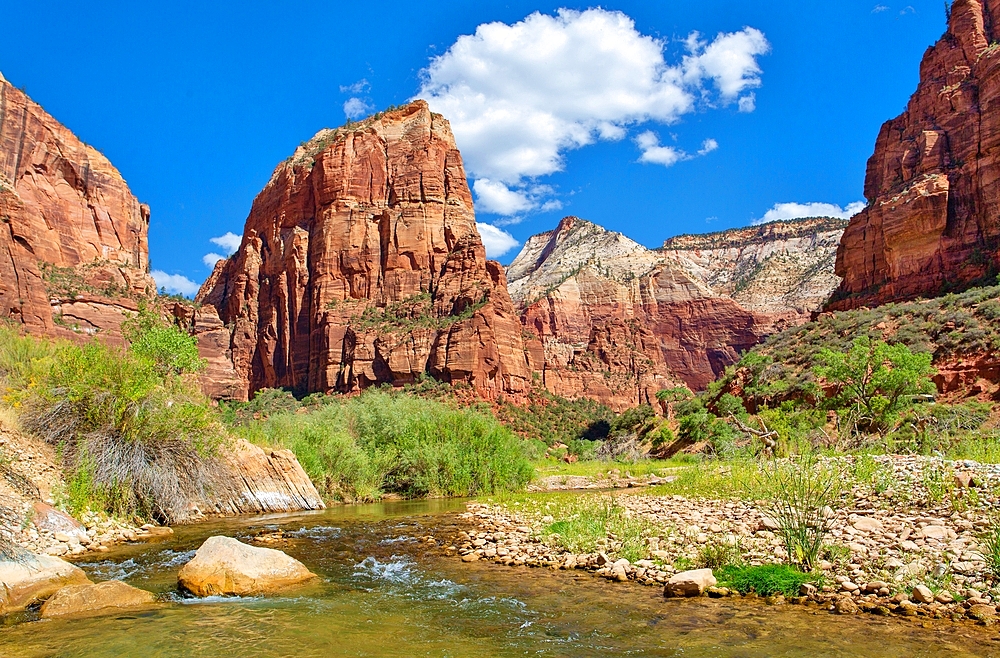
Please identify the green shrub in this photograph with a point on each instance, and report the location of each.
(382, 442)
(152, 338)
(764, 580)
(630, 420)
(676, 394)
(553, 419)
(122, 426)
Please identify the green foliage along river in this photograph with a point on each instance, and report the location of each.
(383, 592)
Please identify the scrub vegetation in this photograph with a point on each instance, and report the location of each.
(385, 442)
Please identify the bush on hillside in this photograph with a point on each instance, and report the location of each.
(121, 425)
(171, 350)
(874, 381)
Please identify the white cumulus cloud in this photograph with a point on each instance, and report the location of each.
(356, 107)
(495, 197)
(817, 209)
(654, 153)
(228, 241)
(211, 259)
(175, 284)
(730, 61)
(520, 96)
(708, 146)
(497, 241)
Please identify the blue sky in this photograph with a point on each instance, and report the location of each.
(614, 114)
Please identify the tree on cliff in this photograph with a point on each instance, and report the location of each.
(874, 381)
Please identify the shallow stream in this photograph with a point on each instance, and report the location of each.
(382, 593)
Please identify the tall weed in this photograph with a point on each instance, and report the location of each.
(802, 493)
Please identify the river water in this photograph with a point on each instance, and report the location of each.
(383, 593)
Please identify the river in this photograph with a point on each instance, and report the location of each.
(384, 593)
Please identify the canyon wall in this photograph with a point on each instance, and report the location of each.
(73, 250)
(361, 264)
(782, 269)
(609, 319)
(74, 262)
(933, 184)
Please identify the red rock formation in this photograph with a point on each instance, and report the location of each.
(933, 184)
(361, 264)
(73, 249)
(617, 322)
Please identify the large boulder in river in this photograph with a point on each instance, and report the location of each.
(689, 583)
(110, 596)
(33, 579)
(226, 566)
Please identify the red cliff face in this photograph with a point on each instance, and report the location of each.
(73, 250)
(933, 184)
(614, 321)
(361, 264)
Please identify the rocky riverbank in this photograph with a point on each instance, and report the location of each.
(30, 484)
(905, 541)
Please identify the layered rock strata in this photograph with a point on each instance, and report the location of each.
(73, 249)
(933, 183)
(782, 269)
(245, 479)
(617, 322)
(361, 264)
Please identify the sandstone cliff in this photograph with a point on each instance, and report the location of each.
(615, 321)
(74, 262)
(783, 269)
(361, 264)
(73, 249)
(933, 183)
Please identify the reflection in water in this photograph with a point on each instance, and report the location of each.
(382, 593)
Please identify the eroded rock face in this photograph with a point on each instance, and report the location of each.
(35, 579)
(615, 321)
(103, 598)
(783, 269)
(361, 264)
(243, 479)
(73, 249)
(223, 566)
(933, 183)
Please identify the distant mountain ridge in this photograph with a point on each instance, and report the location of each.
(616, 321)
(780, 268)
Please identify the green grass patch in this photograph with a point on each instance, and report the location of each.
(600, 468)
(586, 523)
(765, 579)
(736, 479)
